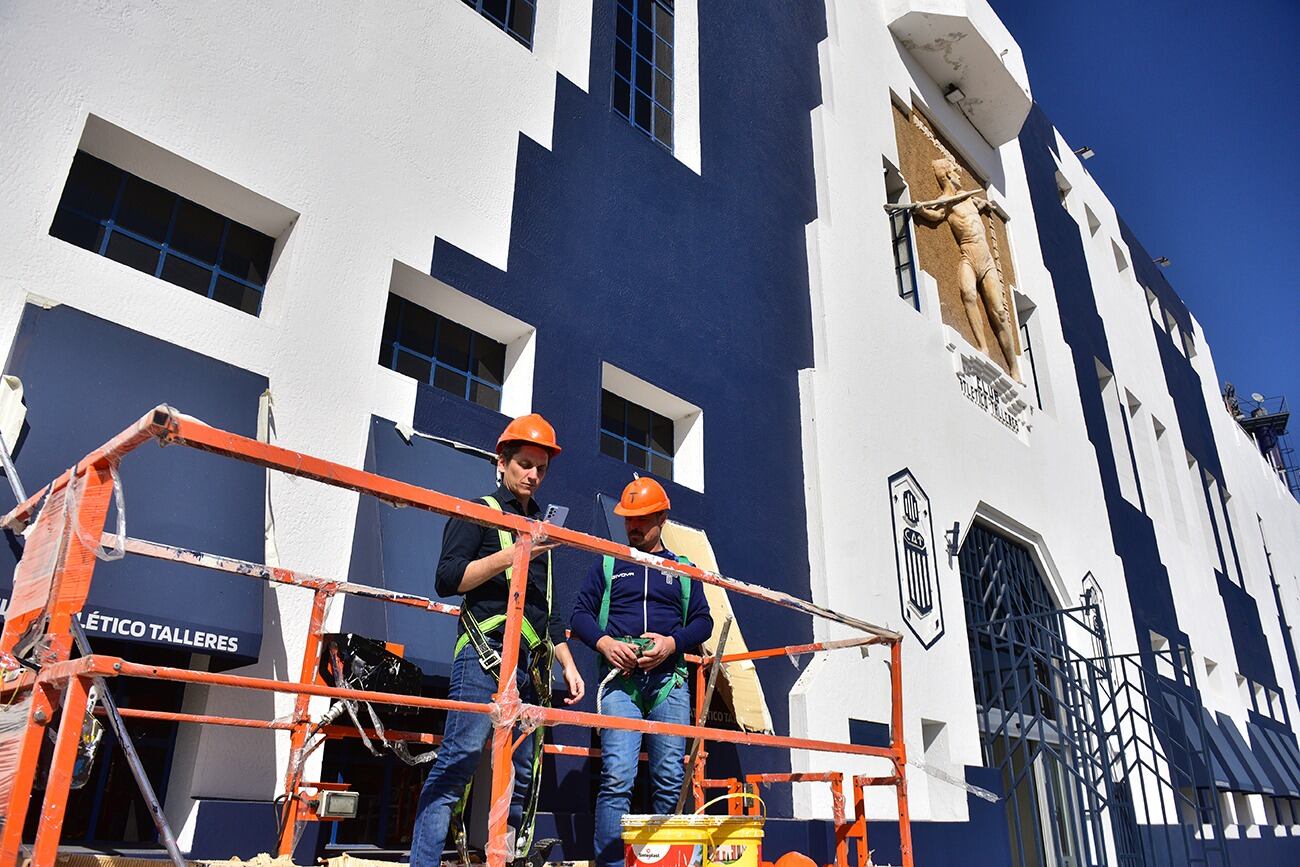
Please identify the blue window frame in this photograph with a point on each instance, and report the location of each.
(442, 353)
(513, 16)
(127, 219)
(636, 435)
(904, 267)
(643, 66)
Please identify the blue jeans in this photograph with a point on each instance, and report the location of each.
(619, 751)
(463, 739)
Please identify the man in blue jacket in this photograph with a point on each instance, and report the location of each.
(640, 620)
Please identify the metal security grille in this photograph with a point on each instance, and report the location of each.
(1093, 749)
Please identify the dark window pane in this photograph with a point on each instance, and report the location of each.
(197, 232)
(146, 208)
(247, 253)
(663, 22)
(663, 90)
(496, 9)
(485, 395)
(622, 59)
(92, 186)
(612, 446)
(611, 413)
(622, 97)
(644, 11)
(491, 361)
(392, 318)
(450, 381)
(413, 366)
(645, 42)
(521, 20)
(193, 277)
(638, 457)
(663, 126)
(661, 466)
(661, 434)
(453, 345)
(664, 56)
(418, 326)
(237, 295)
(643, 75)
(642, 111)
(905, 286)
(638, 424)
(623, 24)
(131, 252)
(85, 233)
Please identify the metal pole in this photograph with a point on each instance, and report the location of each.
(46, 849)
(301, 722)
(506, 700)
(703, 713)
(899, 747)
(118, 725)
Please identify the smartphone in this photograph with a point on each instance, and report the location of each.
(555, 515)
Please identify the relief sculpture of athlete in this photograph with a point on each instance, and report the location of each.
(978, 277)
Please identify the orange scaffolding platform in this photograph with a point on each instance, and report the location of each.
(44, 685)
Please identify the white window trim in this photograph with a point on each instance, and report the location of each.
(687, 419)
(519, 337)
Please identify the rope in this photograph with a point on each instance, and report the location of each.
(600, 690)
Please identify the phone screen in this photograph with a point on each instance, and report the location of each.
(555, 515)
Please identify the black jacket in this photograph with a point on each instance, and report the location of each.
(463, 542)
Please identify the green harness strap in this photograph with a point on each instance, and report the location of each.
(628, 684)
(496, 621)
(540, 669)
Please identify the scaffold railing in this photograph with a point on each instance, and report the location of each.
(44, 686)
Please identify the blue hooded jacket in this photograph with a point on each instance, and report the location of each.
(641, 599)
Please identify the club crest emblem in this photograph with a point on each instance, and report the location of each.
(918, 582)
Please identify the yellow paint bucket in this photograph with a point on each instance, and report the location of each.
(694, 840)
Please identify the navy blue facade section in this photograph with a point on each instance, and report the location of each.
(1132, 533)
(398, 549)
(85, 380)
(1185, 388)
(697, 283)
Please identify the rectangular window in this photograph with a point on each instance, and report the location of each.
(629, 432)
(643, 66)
(1117, 427)
(443, 353)
(904, 267)
(513, 16)
(1027, 359)
(118, 215)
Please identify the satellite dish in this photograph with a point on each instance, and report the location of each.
(1257, 397)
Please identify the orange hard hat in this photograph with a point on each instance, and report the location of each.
(642, 497)
(531, 429)
(795, 859)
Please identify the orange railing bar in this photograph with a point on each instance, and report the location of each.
(85, 510)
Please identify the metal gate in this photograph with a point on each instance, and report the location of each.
(1095, 753)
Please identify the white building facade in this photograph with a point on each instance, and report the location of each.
(401, 226)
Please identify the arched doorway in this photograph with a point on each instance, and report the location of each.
(1075, 730)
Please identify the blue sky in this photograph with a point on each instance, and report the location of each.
(1193, 109)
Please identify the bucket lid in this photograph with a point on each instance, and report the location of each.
(689, 820)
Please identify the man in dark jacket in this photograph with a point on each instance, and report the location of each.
(640, 620)
(475, 564)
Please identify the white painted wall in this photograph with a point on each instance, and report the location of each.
(882, 397)
(379, 126)
(372, 130)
